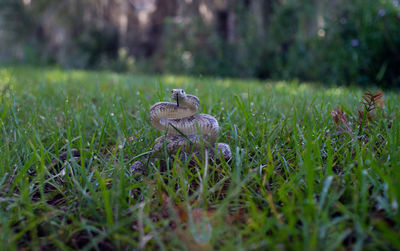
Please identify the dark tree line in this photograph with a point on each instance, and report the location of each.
(332, 41)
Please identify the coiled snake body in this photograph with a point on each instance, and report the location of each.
(184, 128)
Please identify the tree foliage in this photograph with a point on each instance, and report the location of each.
(329, 41)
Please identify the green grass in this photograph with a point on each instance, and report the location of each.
(295, 180)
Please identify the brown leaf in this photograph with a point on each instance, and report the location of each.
(371, 101)
(341, 121)
(379, 100)
(197, 213)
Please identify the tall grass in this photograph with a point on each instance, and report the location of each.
(295, 180)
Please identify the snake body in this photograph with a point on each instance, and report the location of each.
(184, 128)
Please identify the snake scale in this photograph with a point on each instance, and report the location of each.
(184, 129)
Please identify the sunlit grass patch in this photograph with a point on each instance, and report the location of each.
(296, 181)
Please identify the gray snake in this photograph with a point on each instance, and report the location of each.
(185, 129)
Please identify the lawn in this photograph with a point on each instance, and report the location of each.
(303, 175)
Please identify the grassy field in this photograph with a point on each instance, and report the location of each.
(297, 180)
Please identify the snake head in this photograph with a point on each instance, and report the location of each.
(178, 94)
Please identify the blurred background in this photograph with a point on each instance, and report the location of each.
(330, 41)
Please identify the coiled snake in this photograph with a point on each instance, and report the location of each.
(184, 128)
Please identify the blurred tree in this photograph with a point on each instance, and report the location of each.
(332, 41)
